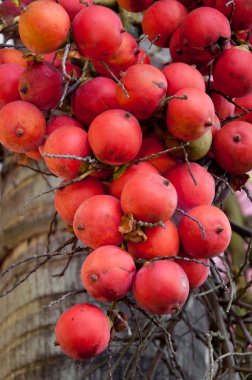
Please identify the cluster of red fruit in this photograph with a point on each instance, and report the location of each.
(120, 187)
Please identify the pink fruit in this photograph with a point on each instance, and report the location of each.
(160, 242)
(22, 126)
(73, 7)
(161, 287)
(191, 194)
(107, 273)
(241, 13)
(9, 77)
(97, 220)
(61, 121)
(83, 331)
(223, 107)
(150, 198)
(69, 198)
(217, 232)
(245, 102)
(196, 273)
(110, 133)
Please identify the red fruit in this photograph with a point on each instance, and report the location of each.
(135, 6)
(161, 287)
(117, 184)
(107, 273)
(217, 232)
(180, 75)
(232, 147)
(222, 106)
(110, 133)
(34, 155)
(73, 7)
(163, 17)
(190, 194)
(97, 221)
(143, 57)
(11, 55)
(68, 199)
(61, 121)
(149, 197)
(22, 126)
(205, 29)
(41, 84)
(196, 273)
(151, 145)
(44, 26)
(146, 87)
(160, 242)
(245, 102)
(94, 97)
(189, 119)
(66, 141)
(83, 331)
(231, 73)
(9, 77)
(97, 32)
(240, 14)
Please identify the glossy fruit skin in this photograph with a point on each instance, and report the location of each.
(92, 98)
(93, 34)
(9, 77)
(180, 75)
(61, 121)
(68, 199)
(160, 242)
(150, 198)
(217, 229)
(11, 55)
(22, 126)
(109, 134)
(73, 7)
(146, 87)
(241, 15)
(191, 195)
(32, 26)
(42, 85)
(161, 287)
(231, 73)
(196, 273)
(189, 119)
(82, 331)
(97, 220)
(66, 141)
(117, 184)
(107, 273)
(232, 147)
(135, 6)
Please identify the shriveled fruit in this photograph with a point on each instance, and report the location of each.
(66, 141)
(33, 33)
(68, 199)
(161, 241)
(150, 198)
(22, 126)
(107, 273)
(210, 242)
(42, 85)
(97, 221)
(145, 87)
(161, 287)
(110, 133)
(94, 97)
(232, 147)
(194, 188)
(83, 331)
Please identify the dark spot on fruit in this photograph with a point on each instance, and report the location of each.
(127, 115)
(166, 182)
(19, 132)
(24, 90)
(73, 319)
(80, 227)
(179, 51)
(219, 229)
(236, 138)
(159, 84)
(208, 124)
(93, 277)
